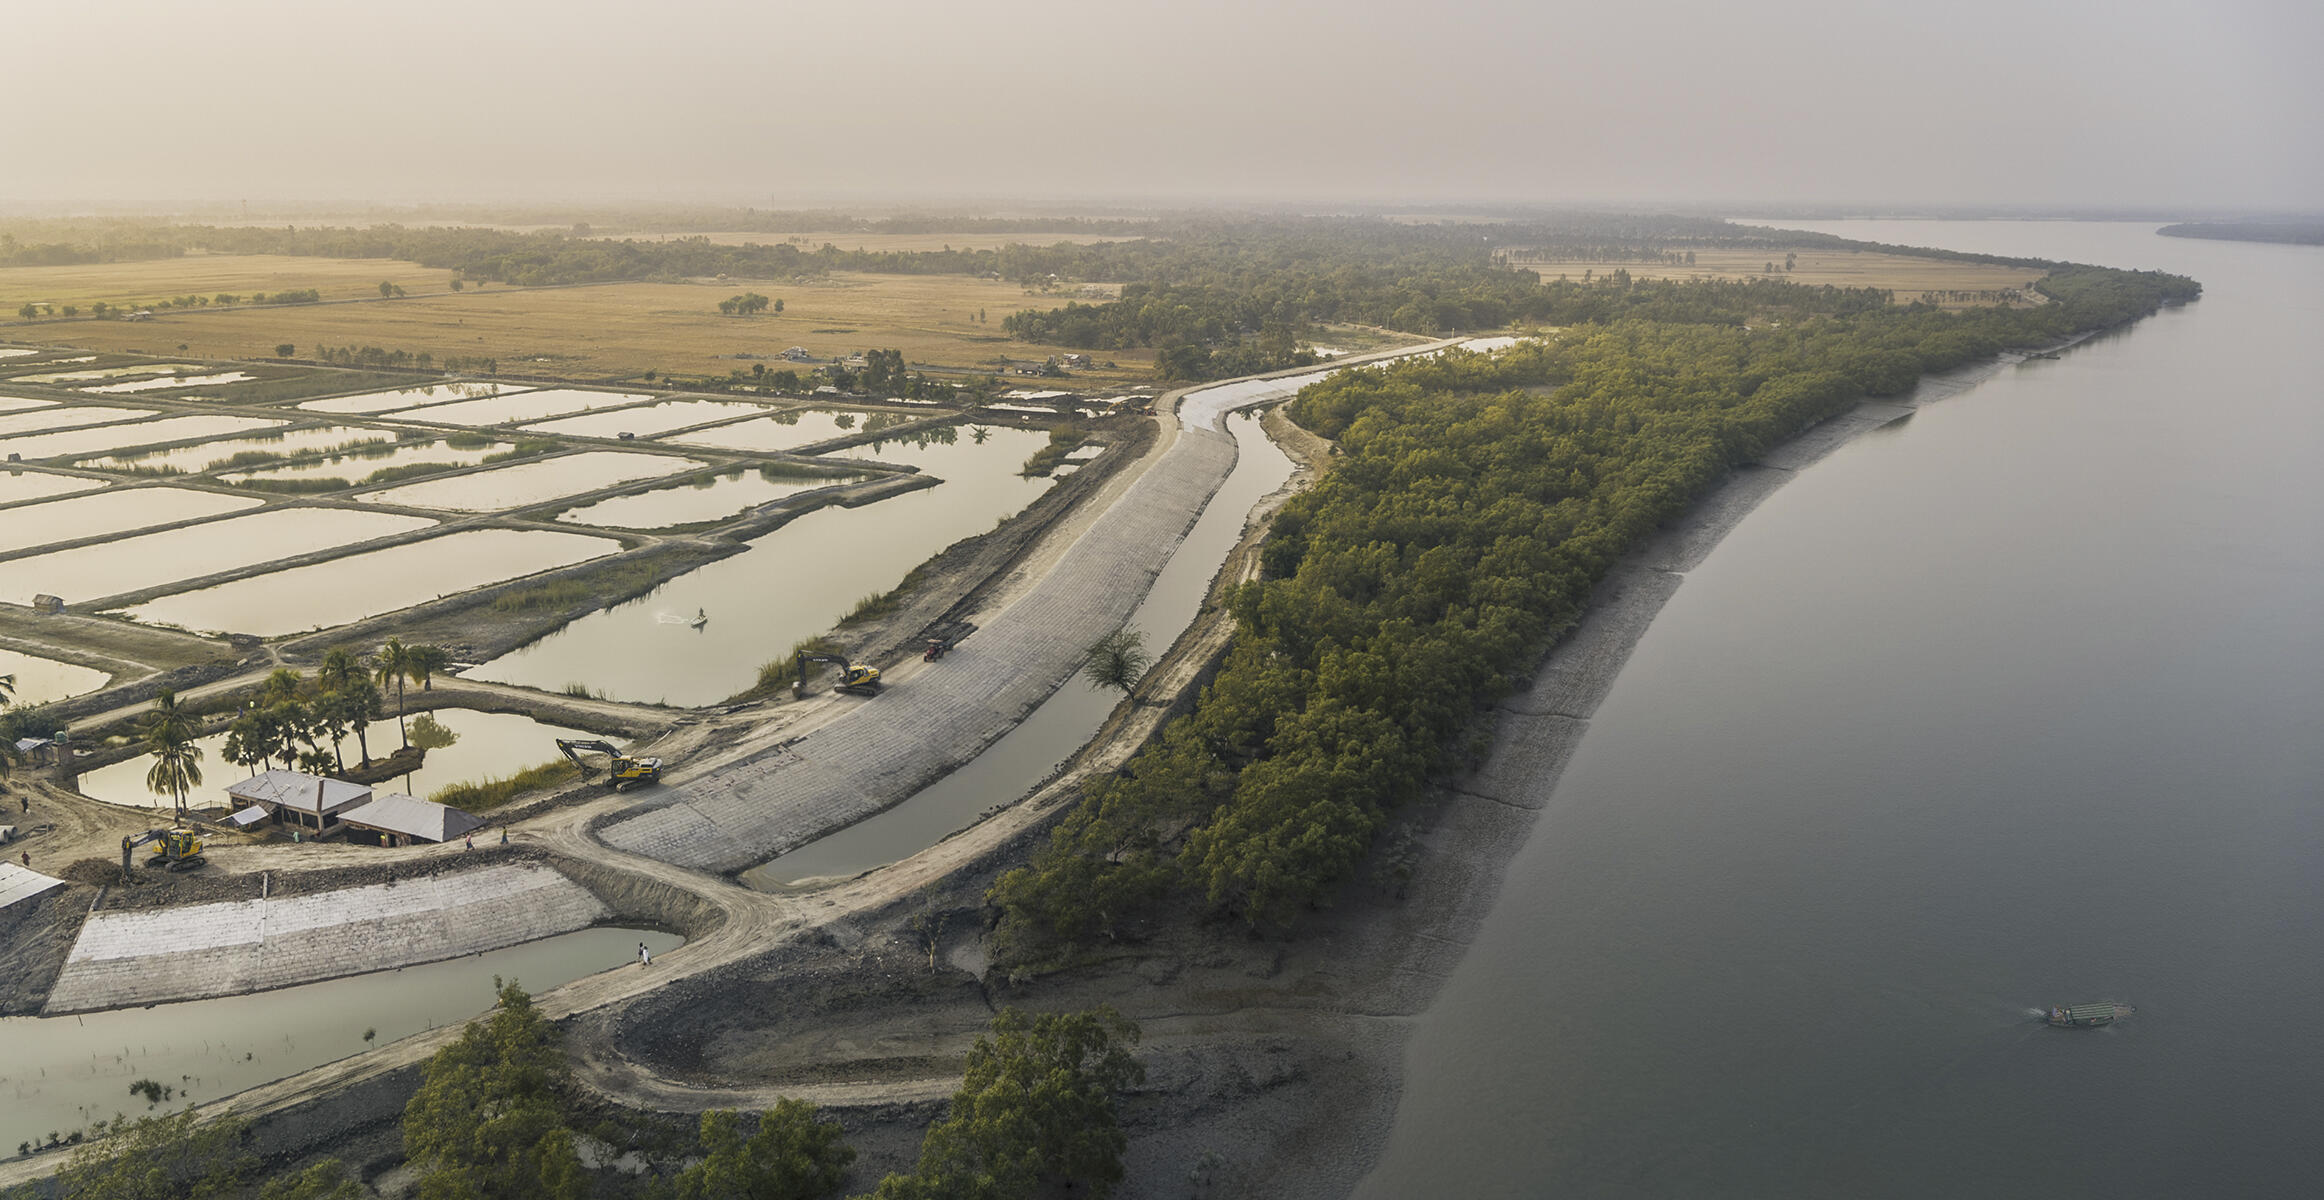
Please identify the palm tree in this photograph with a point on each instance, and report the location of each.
(395, 666)
(169, 736)
(340, 668)
(425, 662)
(280, 686)
(7, 690)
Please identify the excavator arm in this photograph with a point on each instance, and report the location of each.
(861, 680)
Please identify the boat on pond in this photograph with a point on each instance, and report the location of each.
(2086, 1016)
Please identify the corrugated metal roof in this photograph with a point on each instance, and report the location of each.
(413, 817)
(296, 789)
(20, 883)
(248, 817)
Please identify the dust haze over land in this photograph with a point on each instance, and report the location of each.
(2058, 102)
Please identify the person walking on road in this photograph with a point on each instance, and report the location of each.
(645, 957)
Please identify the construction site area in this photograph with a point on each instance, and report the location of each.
(743, 681)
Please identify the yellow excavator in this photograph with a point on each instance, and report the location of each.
(177, 849)
(622, 771)
(854, 678)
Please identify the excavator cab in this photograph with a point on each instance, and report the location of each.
(622, 771)
(854, 678)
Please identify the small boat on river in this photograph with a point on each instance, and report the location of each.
(2086, 1016)
(701, 618)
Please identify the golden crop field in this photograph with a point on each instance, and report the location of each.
(134, 283)
(1904, 274)
(609, 330)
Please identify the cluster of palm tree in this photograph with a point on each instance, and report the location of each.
(7, 748)
(298, 722)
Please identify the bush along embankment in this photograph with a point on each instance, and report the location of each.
(1477, 502)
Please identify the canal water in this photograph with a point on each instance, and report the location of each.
(1063, 723)
(58, 1074)
(2018, 703)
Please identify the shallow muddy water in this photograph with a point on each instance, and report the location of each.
(695, 502)
(790, 585)
(40, 680)
(133, 369)
(403, 398)
(66, 417)
(132, 564)
(355, 467)
(60, 1073)
(491, 745)
(112, 437)
(115, 511)
(21, 403)
(18, 484)
(1063, 723)
(192, 459)
(792, 428)
(325, 594)
(523, 406)
(534, 482)
(175, 381)
(649, 419)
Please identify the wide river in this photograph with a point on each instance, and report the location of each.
(2018, 702)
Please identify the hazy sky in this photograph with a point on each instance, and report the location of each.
(2116, 102)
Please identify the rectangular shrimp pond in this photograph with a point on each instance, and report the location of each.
(17, 484)
(127, 372)
(523, 406)
(63, 416)
(649, 419)
(487, 746)
(170, 381)
(40, 680)
(358, 465)
(699, 500)
(792, 428)
(326, 594)
(203, 456)
(532, 483)
(77, 442)
(115, 511)
(151, 560)
(412, 397)
(790, 585)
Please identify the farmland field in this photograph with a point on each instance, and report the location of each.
(600, 331)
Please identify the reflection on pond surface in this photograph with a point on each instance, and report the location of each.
(524, 406)
(132, 564)
(321, 595)
(532, 483)
(791, 584)
(491, 745)
(109, 512)
(18, 484)
(796, 427)
(649, 419)
(190, 459)
(698, 500)
(401, 398)
(356, 466)
(108, 373)
(954, 451)
(40, 680)
(66, 417)
(60, 1073)
(176, 381)
(140, 433)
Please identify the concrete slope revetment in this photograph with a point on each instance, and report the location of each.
(153, 955)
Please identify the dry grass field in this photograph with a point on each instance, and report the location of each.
(1907, 276)
(886, 241)
(132, 283)
(602, 331)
